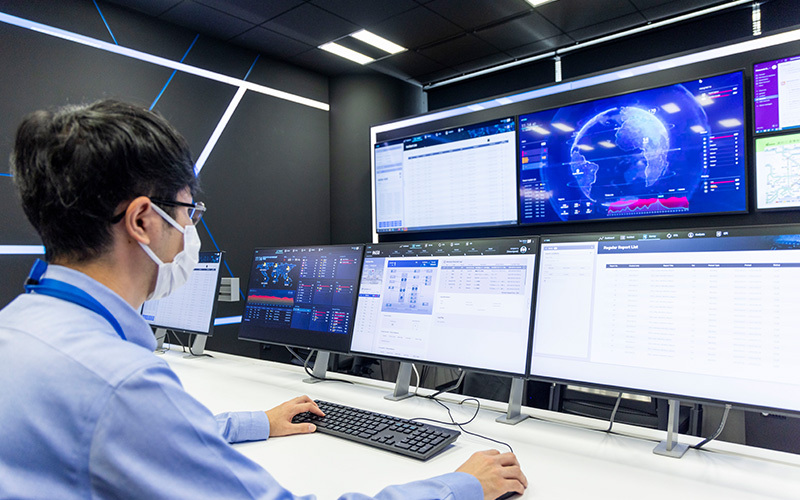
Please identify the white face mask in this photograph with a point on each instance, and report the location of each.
(172, 275)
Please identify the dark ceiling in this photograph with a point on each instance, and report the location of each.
(445, 38)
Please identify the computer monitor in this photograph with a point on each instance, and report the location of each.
(463, 303)
(777, 172)
(776, 94)
(693, 314)
(666, 151)
(457, 177)
(192, 307)
(302, 296)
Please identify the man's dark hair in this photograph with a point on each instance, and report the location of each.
(75, 166)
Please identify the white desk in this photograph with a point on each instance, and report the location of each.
(563, 456)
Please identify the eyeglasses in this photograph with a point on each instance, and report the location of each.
(195, 211)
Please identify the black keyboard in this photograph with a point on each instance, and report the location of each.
(395, 434)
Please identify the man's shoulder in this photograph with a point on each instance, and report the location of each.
(48, 332)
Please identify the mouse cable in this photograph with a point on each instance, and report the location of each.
(718, 431)
(461, 425)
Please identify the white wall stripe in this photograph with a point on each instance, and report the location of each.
(160, 61)
(21, 249)
(223, 122)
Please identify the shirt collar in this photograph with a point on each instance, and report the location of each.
(135, 327)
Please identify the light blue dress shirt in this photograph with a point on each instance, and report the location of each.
(84, 414)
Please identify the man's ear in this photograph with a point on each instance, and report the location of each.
(139, 221)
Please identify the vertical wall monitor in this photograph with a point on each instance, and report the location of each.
(192, 307)
(464, 303)
(778, 172)
(776, 94)
(693, 314)
(666, 151)
(453, 178)
(302, 296)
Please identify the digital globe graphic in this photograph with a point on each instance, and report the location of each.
(670, 150)
(624, 157)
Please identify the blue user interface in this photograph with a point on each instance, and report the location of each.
(302, 296)
(672, 150)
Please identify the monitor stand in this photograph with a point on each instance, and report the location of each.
(161, 334)
(320, 368)
(671, 447)
(513, 415)
(401, 385)
(197, 346)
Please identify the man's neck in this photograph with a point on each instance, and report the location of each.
(117, 279)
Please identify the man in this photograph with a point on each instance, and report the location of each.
(87, 410)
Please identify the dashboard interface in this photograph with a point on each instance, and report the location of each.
(465, 303)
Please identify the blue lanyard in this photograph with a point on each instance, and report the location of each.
(70, 293)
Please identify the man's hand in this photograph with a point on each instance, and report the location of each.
(498, 473)
(280, 417)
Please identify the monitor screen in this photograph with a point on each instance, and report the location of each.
(702, 314)
(776, 94)
(302, 296)
(673, 150)
(190, 308)
(777, 172)
(464, 303)
(452, 178)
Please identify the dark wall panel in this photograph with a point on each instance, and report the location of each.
(358, 102)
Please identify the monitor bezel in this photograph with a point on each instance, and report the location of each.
(767, 228)
(536, 242)
(309, 344)
(674, 81)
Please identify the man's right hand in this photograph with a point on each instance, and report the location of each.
(498, 473)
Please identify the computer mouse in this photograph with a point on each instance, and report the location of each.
(507, 495)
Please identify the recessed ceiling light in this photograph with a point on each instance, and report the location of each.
(378, 41)
(341, 51)
(537, 3)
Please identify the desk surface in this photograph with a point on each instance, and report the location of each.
(564, 456)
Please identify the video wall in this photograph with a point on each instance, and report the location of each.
(677, 142)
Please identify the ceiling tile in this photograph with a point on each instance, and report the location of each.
(570, 15)
(540, 46)
(458, 50)
(328, 64)
(269, 42)
(254, 12)
(517, 32)
(150, 7)
(479, 13)
(437, 76)
(311, 25)
(411, 63)
(364, 13)
(608, 27)
(675, 8)
(416, 27)
(206, 20)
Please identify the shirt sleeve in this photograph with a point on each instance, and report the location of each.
(153, 440)
(238, 427)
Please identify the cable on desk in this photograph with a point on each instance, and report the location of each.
(461, 424)
(718, 431)
(202, 354)
(451, 388)
(614, 412)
